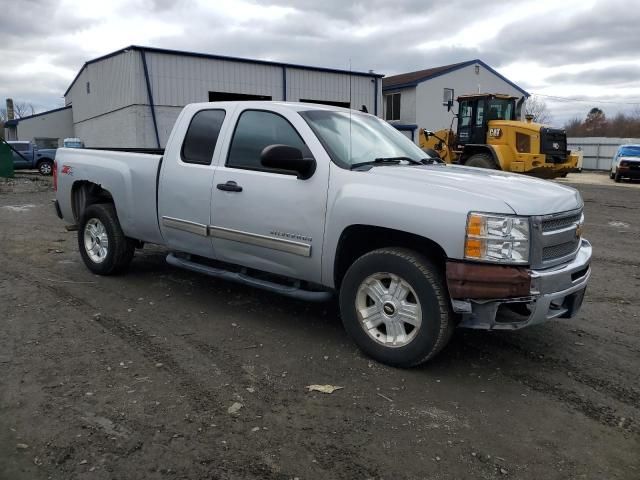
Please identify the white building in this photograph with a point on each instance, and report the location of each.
(46, 129)
(132, 97)
(415, 99)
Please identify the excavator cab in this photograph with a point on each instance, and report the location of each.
(475, 112)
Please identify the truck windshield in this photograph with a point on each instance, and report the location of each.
(358, 138)
(630, 151)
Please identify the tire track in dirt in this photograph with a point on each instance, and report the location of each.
(603, 414)
(206, 400)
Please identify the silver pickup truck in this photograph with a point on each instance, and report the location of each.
(311, 201)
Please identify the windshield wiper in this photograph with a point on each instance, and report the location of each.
(386, 161)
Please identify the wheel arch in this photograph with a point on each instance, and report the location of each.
(357, 240)
(473, 149)
(85, 193)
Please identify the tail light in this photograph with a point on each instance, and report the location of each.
(55, 176)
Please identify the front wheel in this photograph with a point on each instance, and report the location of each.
(45, 167)
(103, 246)
(617, 178)
(395, 306)
(481, 160)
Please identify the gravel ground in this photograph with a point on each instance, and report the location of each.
(162, 374)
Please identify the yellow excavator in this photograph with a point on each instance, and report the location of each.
(488, 135)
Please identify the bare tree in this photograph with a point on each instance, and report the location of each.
(23, 109)
(537, 107)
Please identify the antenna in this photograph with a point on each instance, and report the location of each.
(350, 107)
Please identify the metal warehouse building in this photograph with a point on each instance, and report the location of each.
(132, 97)
(46, 129)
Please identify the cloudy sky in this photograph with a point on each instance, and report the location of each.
(578, 53)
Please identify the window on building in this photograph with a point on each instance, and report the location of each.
(255, 131)
(327, 102)
(202, 136)
(392, 102)
(88, 87)
(230, 96)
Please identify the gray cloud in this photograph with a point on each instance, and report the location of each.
(374, 34)
(616, 75)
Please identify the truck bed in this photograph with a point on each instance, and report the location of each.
(130, 178)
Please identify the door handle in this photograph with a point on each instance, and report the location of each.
(230, 186)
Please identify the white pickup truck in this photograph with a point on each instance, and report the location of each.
(309, 200)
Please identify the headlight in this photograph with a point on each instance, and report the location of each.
(497, 238)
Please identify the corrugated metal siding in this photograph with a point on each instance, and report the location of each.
(52, 125)
(310, 85)
(117, 113)
(598, 152)
(114, 83)
(117, 129)
(178, 81)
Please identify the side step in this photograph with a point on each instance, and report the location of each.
(293, 291)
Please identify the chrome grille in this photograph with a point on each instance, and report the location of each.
(560, 223)
(560, 250)
(554, 239)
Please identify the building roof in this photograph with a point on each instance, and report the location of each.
(15, 121)
(218, 57)
(412, 79)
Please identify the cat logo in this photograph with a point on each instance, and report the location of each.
(495, 132)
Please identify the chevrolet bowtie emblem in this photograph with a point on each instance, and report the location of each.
(579, 229)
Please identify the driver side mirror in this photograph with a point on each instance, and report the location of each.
(288, 158)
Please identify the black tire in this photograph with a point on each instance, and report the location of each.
(437, 320)
(120, 248)
(481, 160)
(431, 152)
(45, 167)
(617, 178)
(611, 175)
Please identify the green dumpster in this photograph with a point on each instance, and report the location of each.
(6, 160)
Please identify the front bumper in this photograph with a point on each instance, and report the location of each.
(629, 171)
(554, 293)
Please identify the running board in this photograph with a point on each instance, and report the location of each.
(293, 291)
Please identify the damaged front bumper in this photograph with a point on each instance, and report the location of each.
(556, 292)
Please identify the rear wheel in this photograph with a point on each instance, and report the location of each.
(45, 167)
(103, 246)
(395, 306)
(481, 160)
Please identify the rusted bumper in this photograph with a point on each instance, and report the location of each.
(501, 297)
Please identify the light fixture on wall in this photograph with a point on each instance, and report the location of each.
(477, 69)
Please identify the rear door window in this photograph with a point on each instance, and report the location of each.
(202, 136)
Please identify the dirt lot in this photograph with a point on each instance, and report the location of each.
(133, 377)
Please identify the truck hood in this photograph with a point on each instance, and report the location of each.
(523, 194)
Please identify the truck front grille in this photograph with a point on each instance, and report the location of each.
(555, 239)
(560, 250)
(553, 143)
(561, 222)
